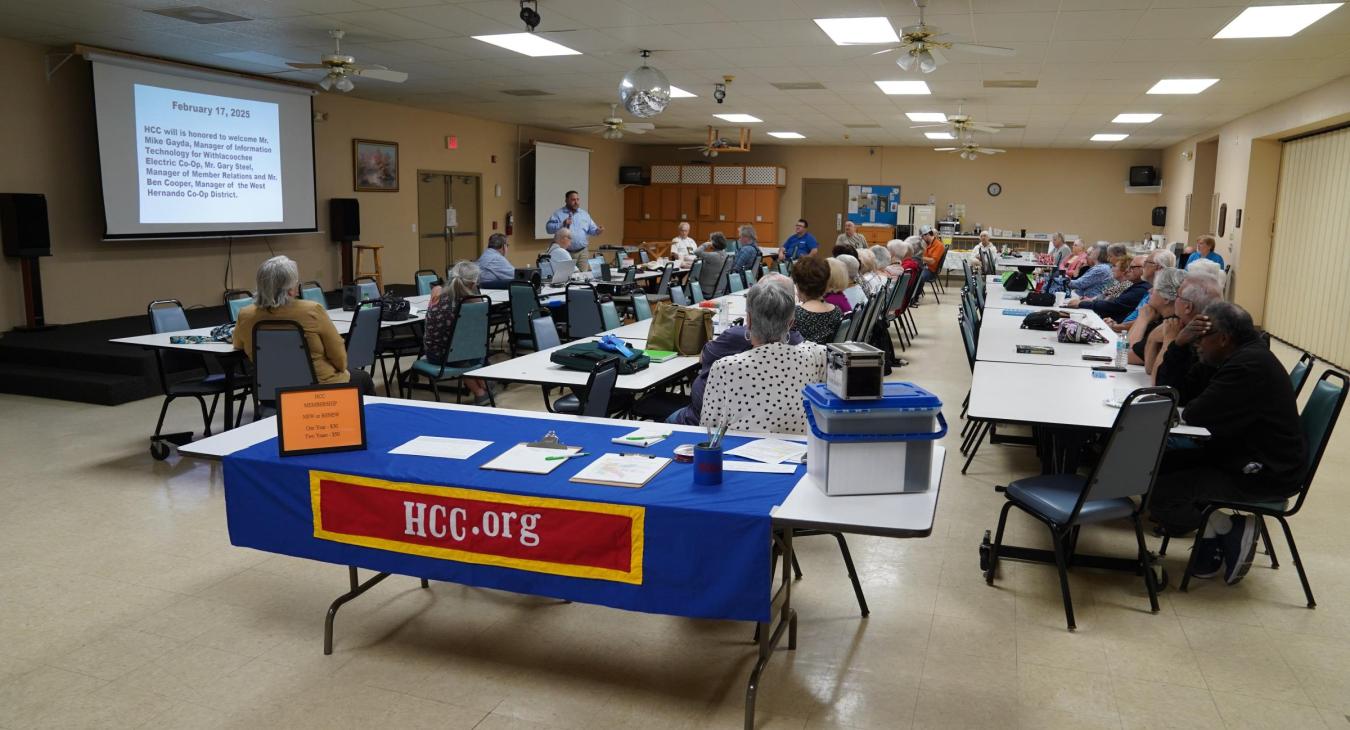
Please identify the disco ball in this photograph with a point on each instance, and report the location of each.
(644, 92)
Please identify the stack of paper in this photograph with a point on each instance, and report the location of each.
(441, 447)
(622, 470)
(641, 437)
(770, 451)
(531, 459)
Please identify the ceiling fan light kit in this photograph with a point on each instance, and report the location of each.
(342, 67)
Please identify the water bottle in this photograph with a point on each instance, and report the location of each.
(1122, 353)
(724, 314)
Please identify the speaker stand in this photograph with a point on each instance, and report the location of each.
(32, 297)
(346, 247)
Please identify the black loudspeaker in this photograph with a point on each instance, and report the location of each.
(23, 225)
(344, 219)
(1160, 215)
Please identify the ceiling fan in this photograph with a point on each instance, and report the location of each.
(961, 123)
(342, 67)
(717, 143)
(613, 126)
(970, 149)
(921, 45)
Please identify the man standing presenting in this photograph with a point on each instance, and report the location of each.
(800, 243)
(572, 217)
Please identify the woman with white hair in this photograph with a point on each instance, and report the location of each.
(984, 246)
(441, 322)
(868, 275)
(852, 270)
(761, 389)
(1144, 334)
(278, 298)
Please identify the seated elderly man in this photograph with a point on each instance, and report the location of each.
(761, 389)
(1123, 303)
(732, 341)
(1144, 334)
(496, 271)
(1153, 263)
(1231, 384)
(279, 299)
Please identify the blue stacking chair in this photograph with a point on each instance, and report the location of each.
(1064, 503)
(468, 350)
(583, 311)
(524, 302)
(609, 315)
(312, 291)
(281, 359)
(1299, 374)
(677, 296)
(236, 300)
(642, 309)
(751, 277)
(735, 282)
(363, 337)
(696, 292)
(368, 288)
(167, 315)
(426, 278)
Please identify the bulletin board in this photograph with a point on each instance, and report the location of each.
(873, 204)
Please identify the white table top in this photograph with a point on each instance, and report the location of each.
(1001, 333)
(341, 322)
(1020, 393)
(895, 515)
(536, 367)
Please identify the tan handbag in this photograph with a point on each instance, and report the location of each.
(681, 329)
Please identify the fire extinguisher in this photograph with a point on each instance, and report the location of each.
(510, 222)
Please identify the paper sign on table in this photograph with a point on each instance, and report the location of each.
(531, 459)
(441, 447)
(755, 466)
(622, 470)
(770, 451)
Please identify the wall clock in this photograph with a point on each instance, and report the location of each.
(994, 189)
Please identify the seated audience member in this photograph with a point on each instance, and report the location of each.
(748, 254)
(682, 246)
(1234, 386)
(1059, 249)
(1208, 268)
(761, 389)
(901, 258)
(853, 269)
(1077, 258)
(1144, 335)
(1155, 262)
(883, 259)
(868, 278)
(1091, 282)
(278, 298)
(932, 253)
(815, 318)
(843, 250)
(834, 290)
(1204, 249)
(557, 250)
(733, 340)
(1196, 292)
(497, 271)
(984, 246)
(850, 237)
(800, 243)
(713, 254)
(1123, 303)
(441, 320)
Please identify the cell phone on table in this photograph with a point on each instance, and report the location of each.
(1108, 369)
(1035, 350)
(1098, 358)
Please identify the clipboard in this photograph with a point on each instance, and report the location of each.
(622, 470)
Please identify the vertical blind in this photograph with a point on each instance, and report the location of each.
(1308, 292)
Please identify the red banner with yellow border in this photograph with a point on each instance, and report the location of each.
(540, 534)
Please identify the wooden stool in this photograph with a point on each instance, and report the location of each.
(374, 249)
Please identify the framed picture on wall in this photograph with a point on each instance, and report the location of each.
(374, 166)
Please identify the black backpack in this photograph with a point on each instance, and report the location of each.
(1046, 319)
(1018, 281)
(584, 356)
(394, 308)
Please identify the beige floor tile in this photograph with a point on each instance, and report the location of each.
(1269, 680)
(956, 708)
(1157, 705)
(974, 637)
(1256, 713)
(116, 653)
(187, 673)
(1059, 648)
(1065, 690)
(28, 698)
(1040, 718)
(1166, 663)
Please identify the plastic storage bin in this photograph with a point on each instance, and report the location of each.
(882, 446)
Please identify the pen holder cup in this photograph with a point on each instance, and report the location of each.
(707, 465)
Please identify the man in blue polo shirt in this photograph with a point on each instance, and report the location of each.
(496, 271)
(800, 243)
(572, 217)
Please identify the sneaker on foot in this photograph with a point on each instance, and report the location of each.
(1208, 558)
(1239, 547)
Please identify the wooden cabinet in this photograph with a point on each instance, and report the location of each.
(653, 213)
(688, 203)
(651, 204)
(766, 205)
(877, 235)
(706, 203)
(670, 203)
(745, 205)
(726, 205)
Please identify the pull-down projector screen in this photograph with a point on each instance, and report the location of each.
(187, 154)
(557, 169)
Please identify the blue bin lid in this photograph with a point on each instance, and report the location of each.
(894, 396)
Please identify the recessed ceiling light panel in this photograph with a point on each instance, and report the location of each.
(939, 135)
(903, 87)
(926, 116)
(1275, 21)
(1134, 118)
(529, 44)
(678, 93)
(739, 118)
(1105, 137)
(199, 15)
(858, 31)
(787, 135)
(1182, 86)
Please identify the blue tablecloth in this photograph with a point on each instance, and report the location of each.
(705, 551)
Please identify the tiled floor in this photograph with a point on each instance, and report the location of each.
(122, 604)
